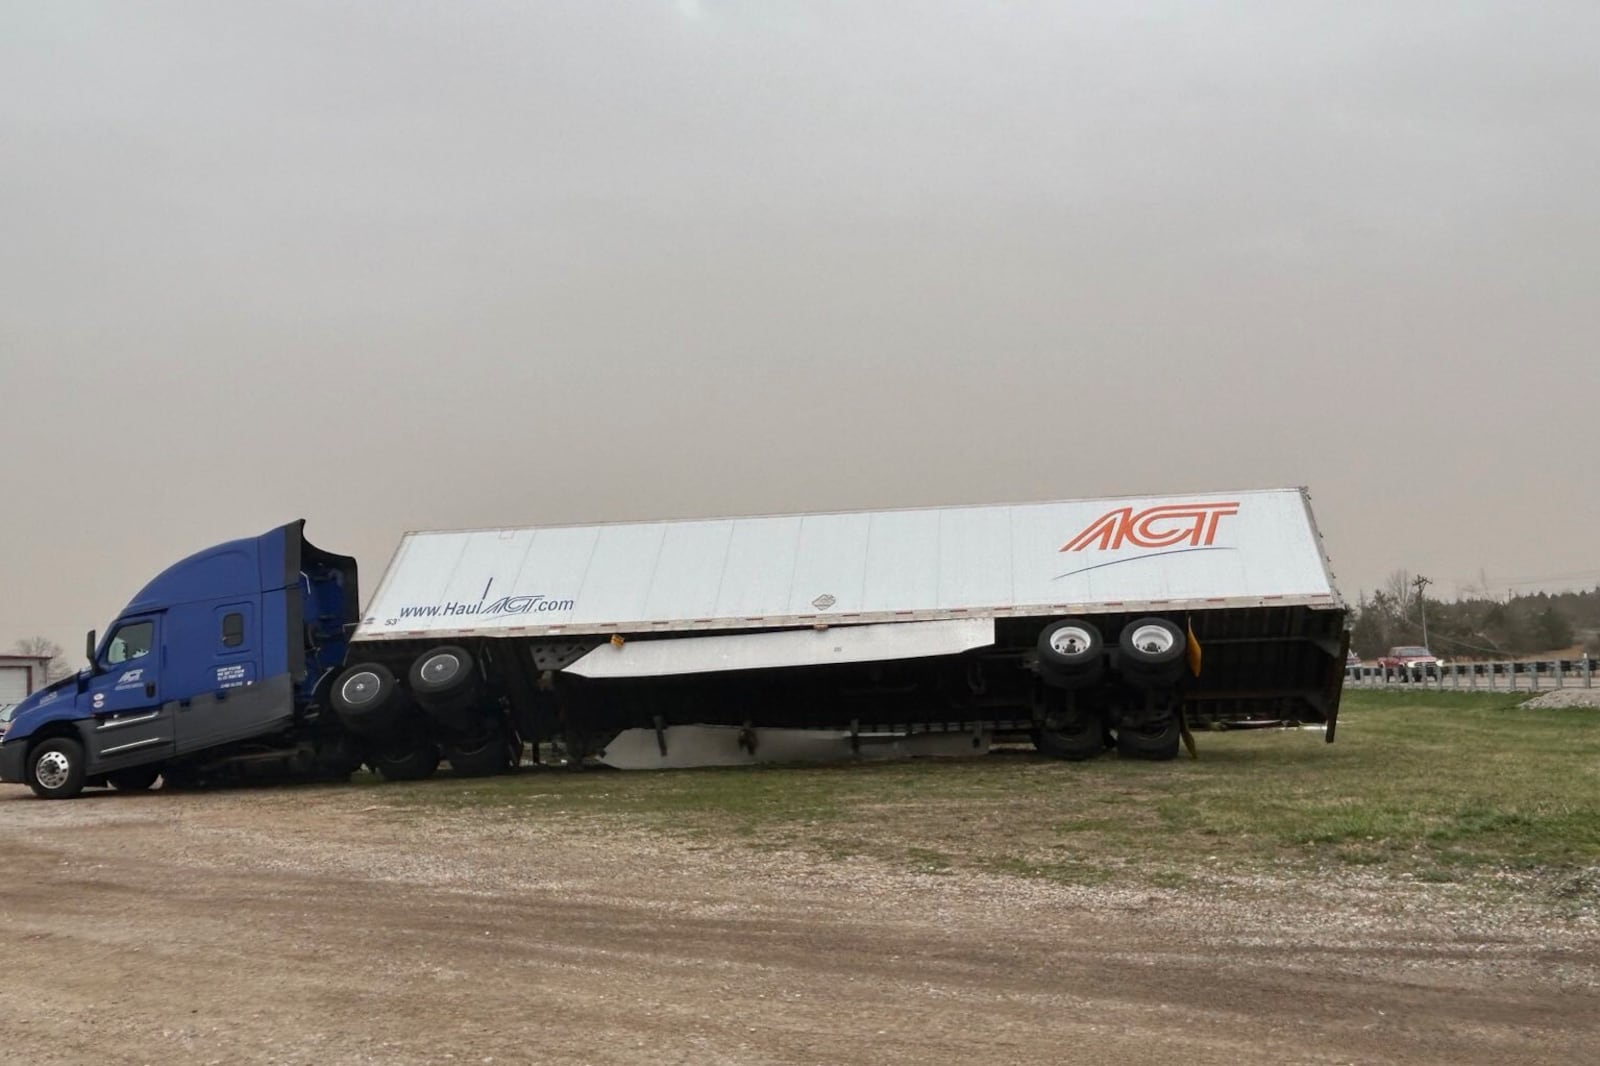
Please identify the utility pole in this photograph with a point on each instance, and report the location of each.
(1421, 583)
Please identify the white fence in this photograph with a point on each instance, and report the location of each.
(1531, 676)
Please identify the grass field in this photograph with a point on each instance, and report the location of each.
(1431, 786)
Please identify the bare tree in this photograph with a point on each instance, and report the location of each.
(45, 648)
(1398, 586)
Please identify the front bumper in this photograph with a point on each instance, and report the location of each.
(13, 763)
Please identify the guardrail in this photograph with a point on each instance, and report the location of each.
(1540, 675)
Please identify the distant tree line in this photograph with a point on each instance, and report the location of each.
(1474, 628)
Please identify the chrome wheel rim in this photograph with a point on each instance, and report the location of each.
(1153, 640)
(52, 770)
(1071, 640)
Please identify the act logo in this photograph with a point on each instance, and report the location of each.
(1154, 527)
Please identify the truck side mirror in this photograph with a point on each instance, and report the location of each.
(88, 648)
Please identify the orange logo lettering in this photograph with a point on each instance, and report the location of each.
(1154, 527)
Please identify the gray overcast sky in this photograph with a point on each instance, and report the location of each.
(414, 265)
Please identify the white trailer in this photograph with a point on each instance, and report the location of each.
(1082, 625)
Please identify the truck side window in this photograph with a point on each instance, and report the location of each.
(232, 629)
(130, 642)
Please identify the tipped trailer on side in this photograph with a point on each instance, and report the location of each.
(1080, 625)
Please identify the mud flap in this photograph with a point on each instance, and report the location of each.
(1183, 731)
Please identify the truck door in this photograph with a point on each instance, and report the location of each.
(232, 701)
(125, 695)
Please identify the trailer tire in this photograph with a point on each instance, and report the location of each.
(1075, 737)
(135, 779)
(337, 758)
(441, 673)
(363, 698)
(56, 769)
(480, 757)
(1156, 742)
(1071, 653)
(445, 683)
(1151, 652)
(405, 760)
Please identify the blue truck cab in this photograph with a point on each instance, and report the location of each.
(219, 665)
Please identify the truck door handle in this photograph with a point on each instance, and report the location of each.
(150, 689)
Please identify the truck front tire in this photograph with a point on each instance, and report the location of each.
(56, 769)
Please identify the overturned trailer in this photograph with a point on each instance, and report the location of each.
(1079, 625)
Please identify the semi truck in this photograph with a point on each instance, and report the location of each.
(1080, 626)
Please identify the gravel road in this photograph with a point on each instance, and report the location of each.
(338, 925)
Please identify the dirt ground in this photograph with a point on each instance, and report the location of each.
(334, 925)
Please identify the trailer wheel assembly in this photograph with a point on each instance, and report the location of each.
(56, 769)
(363, 698)
(337, 757)
(481, 756)
(1154, 739)
(405, 759)
(1151, 652)
(1070, 732)
(446, 685)
(1071, 653)
(442, 672)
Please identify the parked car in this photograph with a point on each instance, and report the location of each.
(1411, 660)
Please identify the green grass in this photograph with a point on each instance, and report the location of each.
(1433, 786)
